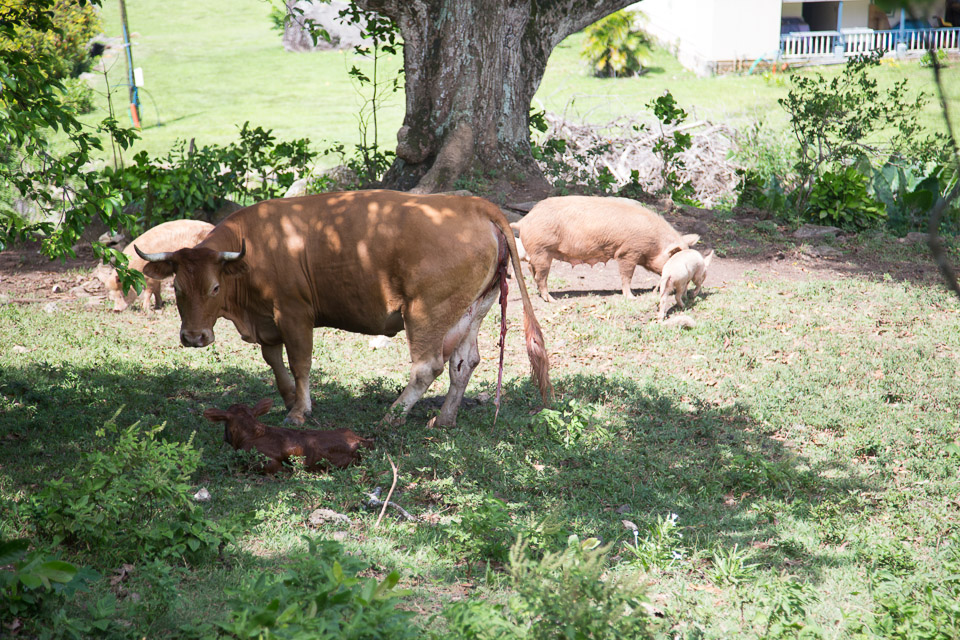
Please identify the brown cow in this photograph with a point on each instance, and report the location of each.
(169, 236)
(243, 431)
(374, 262)
(592, 229)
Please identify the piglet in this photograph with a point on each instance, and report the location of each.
(243, 431)
(682, 268)
(589, 230)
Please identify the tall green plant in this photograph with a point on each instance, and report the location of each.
(841, 120)
(670, 147)
(614, 48)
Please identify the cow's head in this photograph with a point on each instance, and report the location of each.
(199, 273)
(240, 421)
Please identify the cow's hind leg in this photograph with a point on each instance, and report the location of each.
(426, 353)
(465, 356)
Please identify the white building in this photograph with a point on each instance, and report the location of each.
(716, 36)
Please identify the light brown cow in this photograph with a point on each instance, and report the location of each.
(590, 229)
(169, 236)
(373, 262)
(242, 431)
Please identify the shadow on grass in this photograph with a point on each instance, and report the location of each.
(645, 451)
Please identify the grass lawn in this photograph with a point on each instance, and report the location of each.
(804, 434)
(213, 65)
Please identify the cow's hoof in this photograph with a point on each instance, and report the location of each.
(295, 419)
(435, 422)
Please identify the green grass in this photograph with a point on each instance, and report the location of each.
(211, 66)
(808, 425)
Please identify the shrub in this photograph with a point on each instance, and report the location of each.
(67, 46)
(614, 48)
(563, 595)
(77, 95)
(129, 498)
(660, 548)
(909, 193)
(484, 530)
(29, 580)
(318, 596)
(842, 199)
(669, 148)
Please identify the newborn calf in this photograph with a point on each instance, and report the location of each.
(682, 268)
(243, 431)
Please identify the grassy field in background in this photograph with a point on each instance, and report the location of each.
(804, 434)
(211, 66)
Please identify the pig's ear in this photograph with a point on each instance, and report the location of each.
(215, 415)
(158, 270)
(673, 248)
(262, 407)
(690, 239)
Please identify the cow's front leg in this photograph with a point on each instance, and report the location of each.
(273, 355)
(299, 343)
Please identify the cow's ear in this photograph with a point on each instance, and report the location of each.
(158, 270)
(234, 268)
(262, 407)
(259, 430)
(215, 415)
(690, 239)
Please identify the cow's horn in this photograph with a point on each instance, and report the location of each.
(153, 257)
(227, 256)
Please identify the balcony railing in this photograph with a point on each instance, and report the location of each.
(825, 44)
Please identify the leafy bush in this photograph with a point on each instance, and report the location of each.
(614, 48)
(569, 425)
(32, 580)
(484, 531)
(660, 548)
(77, 95)
(67, 45)
(129, 498)
(670, 147)
(909, 193)
(318, 596)
(563, 595)
(926, 60)
(847, 119)
(188, 180)
(784, 614)
(842, 199)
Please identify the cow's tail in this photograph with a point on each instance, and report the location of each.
(536, 349)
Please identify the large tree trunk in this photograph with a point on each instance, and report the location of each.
(472, 68)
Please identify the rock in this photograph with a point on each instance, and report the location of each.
(815, 232)
(320, 516)
(915, 237)
(822, 251)
(80, 292)
(226, 208)
(50, 307)
(297, 189)
(4, 298)
(326, 16)
(629, 525)
(624, 508)
(19, 348)
(379, 342)
(111, 239)
(340, 536)
(202, 496)
(522, 206)
(57, 289)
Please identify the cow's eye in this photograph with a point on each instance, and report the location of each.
(215, 290)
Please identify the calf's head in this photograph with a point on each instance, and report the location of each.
(198, 275)
(240, 421)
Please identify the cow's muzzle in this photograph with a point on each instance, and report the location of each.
(200, 338)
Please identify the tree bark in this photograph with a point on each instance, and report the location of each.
(472, 68)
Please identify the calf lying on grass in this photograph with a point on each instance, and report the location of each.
(682, 268)
(243, 431)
